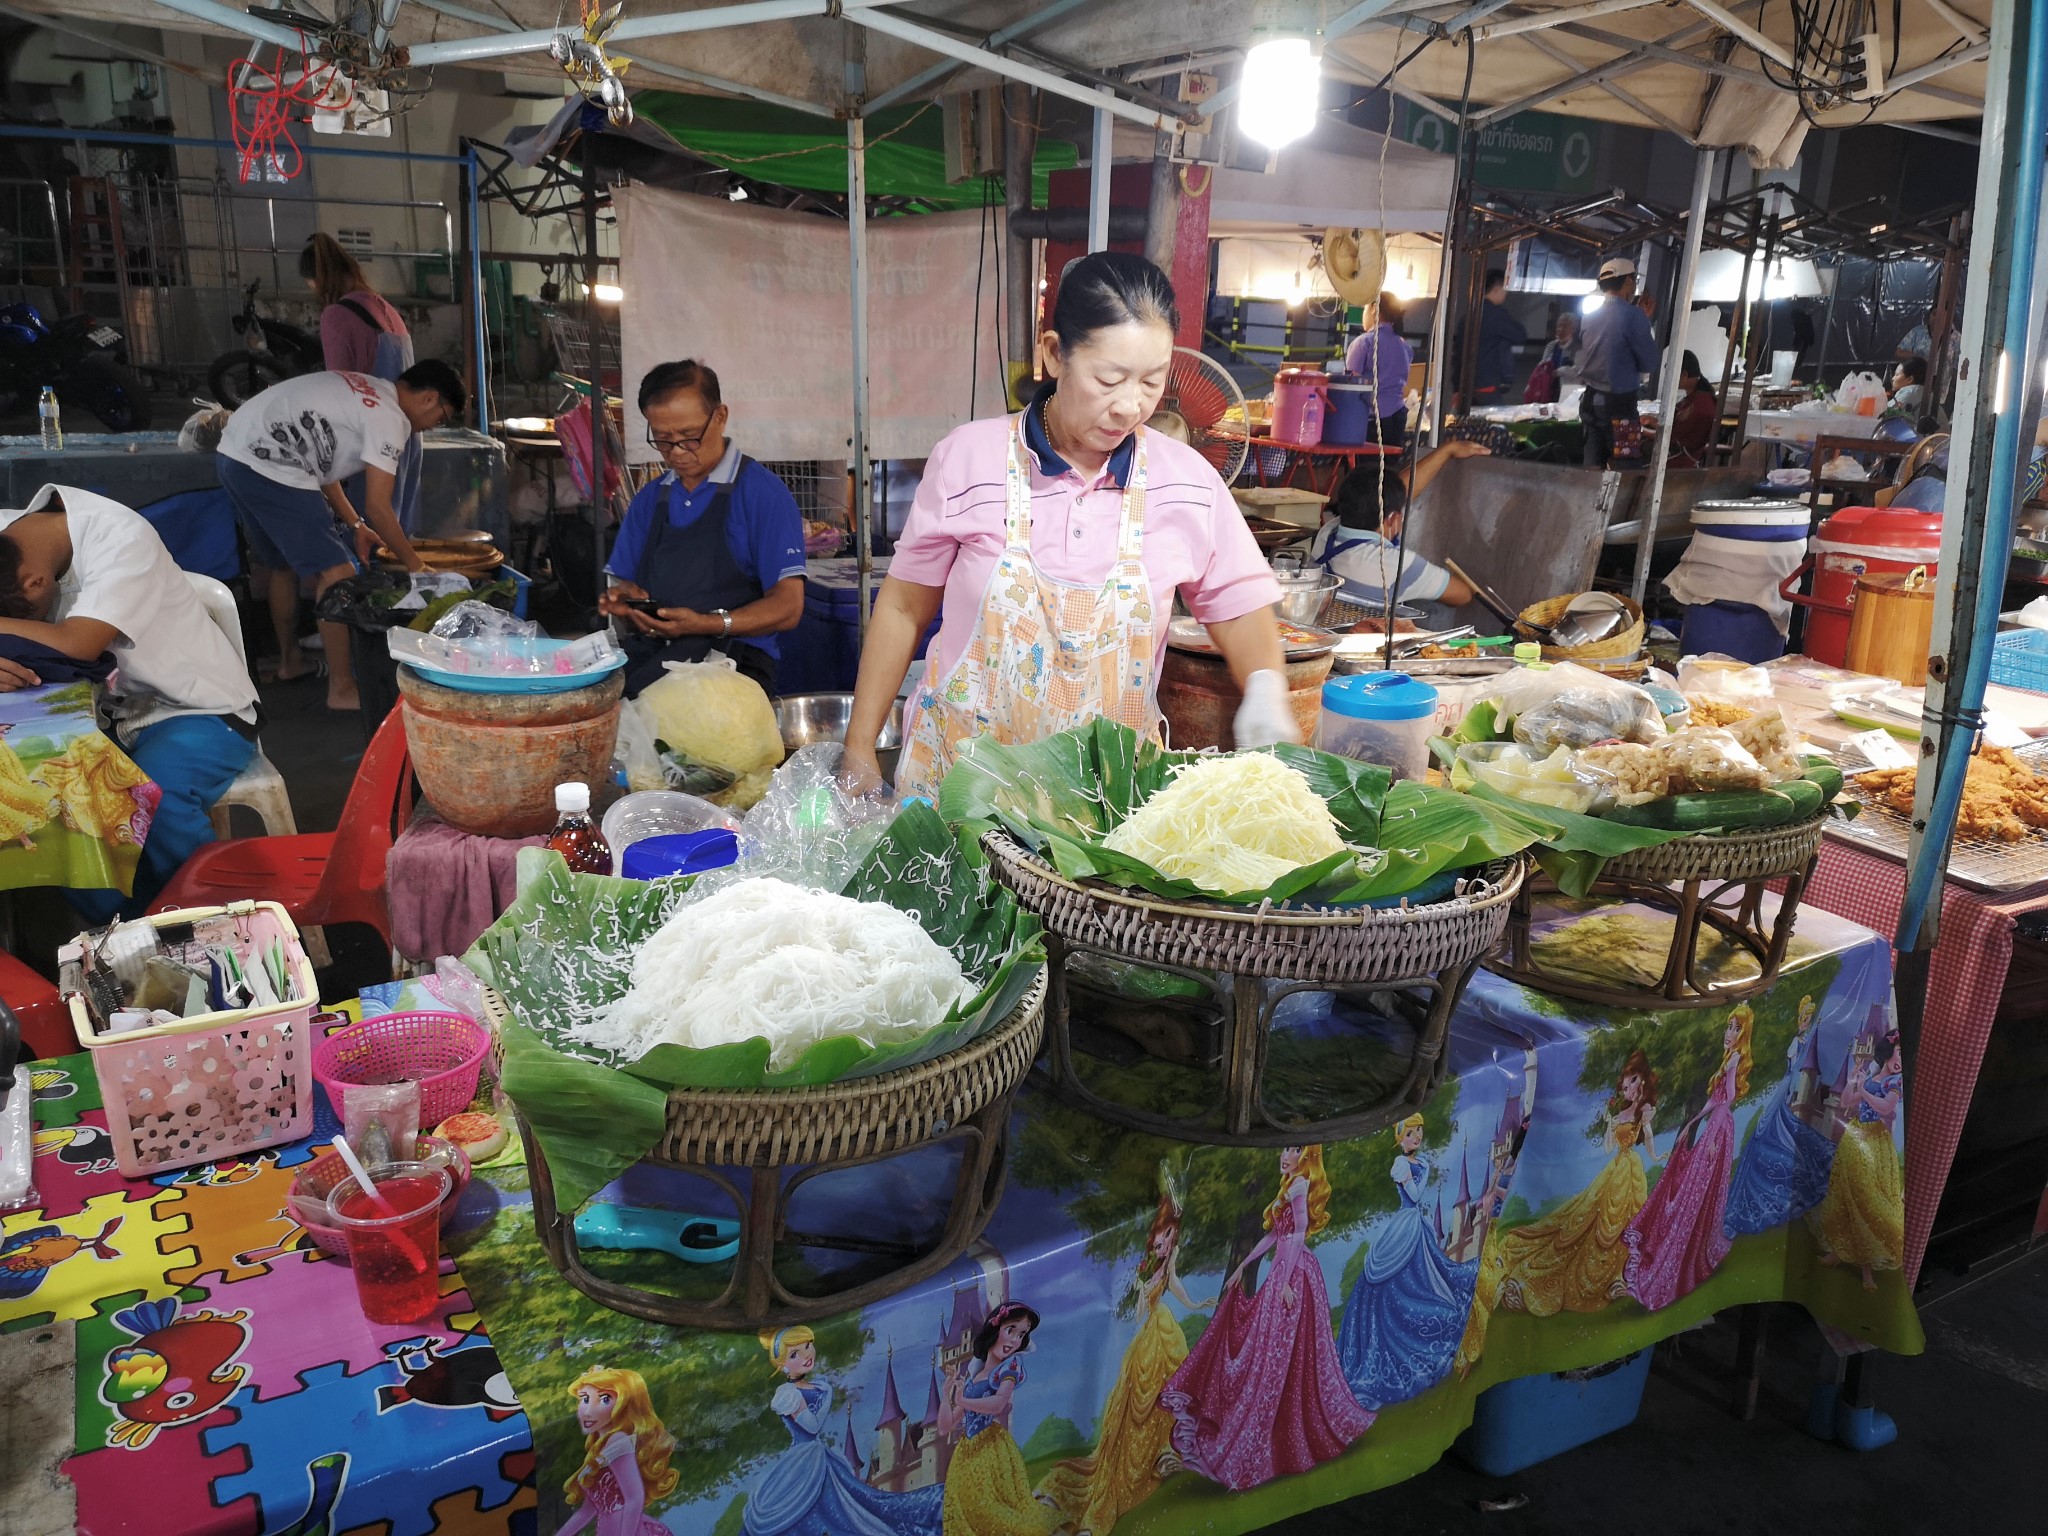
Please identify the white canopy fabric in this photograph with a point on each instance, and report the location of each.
(1340, 177)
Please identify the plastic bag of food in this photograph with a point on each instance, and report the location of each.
(1573, 706)
(202, 429)
(1714, 673)
(1701, 759)
(1767, 737)
(1538, 778)
(707, 712)
(805, 829)
(1639, 773)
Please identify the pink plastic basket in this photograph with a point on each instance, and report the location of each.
(441, 1051)
(316, 1180)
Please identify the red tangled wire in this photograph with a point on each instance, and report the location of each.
(270, 102)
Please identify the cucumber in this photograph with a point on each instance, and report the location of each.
(1724, 810)
(1808, 797)
(1826, 775)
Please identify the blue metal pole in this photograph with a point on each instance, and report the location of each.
(471, 175)
(2000, 327)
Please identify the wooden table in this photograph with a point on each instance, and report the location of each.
(1339, 459)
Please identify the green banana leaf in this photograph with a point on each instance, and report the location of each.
(1061, 795)
(1570, 848)
(564, 949)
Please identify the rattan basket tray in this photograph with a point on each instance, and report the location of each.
(1762, 854)
(1346, 945)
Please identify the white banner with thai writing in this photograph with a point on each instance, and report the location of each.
(764, 296)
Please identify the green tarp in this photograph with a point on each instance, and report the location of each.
(906, 150)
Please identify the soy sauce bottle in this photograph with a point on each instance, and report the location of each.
(576, 837)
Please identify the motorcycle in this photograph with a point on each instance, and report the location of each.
(271, 351)
(85, 362)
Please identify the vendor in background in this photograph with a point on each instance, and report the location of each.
(1697, 418)
(1616, 351)
(1361, 546)
(360, 332)
(81, 575)
(1050, 546)
(1546, 380)
(1909, 390)
(710, 556)
(282, 461)
(1380, 356)
(1499, 334)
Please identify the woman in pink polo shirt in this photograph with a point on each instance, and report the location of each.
(1051, 545)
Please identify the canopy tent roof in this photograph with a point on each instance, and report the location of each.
(1648, 62)
(1339, 176)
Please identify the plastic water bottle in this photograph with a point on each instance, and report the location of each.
(52, 420)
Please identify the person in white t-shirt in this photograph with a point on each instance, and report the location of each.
(82, 575)
(282, 461)
(1363, 545)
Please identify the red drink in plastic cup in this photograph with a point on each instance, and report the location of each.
(394, 1246)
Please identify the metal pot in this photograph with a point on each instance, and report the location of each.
(1304, 594)
(805, 719)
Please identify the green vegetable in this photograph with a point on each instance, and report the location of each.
(1722, 810)
(1481, 723)
(1826, 775)
(1572, 849)
(1807, 797)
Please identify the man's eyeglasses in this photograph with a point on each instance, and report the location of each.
(667, 445)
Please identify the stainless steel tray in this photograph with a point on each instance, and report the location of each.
(1979, 864)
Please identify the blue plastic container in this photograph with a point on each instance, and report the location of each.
(1741, 630)
(1762, 521)
(1379, 717)
(2019, 659)
(680, 853)
(1534, 1418)
(1348, 418)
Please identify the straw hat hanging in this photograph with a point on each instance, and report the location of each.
(1356, 263)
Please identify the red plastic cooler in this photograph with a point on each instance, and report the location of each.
(1856, 541)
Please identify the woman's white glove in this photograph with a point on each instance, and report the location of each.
(1264, 717)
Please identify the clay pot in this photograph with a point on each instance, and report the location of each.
(489, 762)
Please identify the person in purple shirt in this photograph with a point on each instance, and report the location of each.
(1616, 352)
(1379, 356)
(710, 556)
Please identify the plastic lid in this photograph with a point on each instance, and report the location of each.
(1379, 696)
(680, 853)
(572, 799)
(1527, 651)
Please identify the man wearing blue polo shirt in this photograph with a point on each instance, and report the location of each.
(711, 555)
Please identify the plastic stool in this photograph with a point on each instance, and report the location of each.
(261, 788)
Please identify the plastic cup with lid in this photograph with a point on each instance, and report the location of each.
(1379, 717)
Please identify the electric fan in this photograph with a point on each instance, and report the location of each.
(1204, 408)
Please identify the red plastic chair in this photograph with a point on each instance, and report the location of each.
(318, 877)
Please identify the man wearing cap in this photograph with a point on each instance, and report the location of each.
(1616, 352)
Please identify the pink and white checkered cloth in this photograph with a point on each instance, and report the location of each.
(1965, 980)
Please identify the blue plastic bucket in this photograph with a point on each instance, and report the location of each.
(1741, 630)
(1348, 421)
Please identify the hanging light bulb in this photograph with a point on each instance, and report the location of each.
(1280, 90)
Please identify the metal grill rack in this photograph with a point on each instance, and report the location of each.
(1981, 864)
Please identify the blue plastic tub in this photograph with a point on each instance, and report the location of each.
(1534, 1418)
(1348, 415)
(1741, 630)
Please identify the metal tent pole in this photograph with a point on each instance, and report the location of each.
(1667, 391)
(1998, 400)
(857, 227)
(1099, 160)
(600, 408)
(472, 176)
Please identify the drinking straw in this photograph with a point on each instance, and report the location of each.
(363, 1178)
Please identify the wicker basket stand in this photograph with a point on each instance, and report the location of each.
(760, 1147)
(1250, 960)
(1716, 882)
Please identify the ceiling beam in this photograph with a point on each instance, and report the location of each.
(1730, 22)
(239, 22)
(1614, 69)
(1542, 20)
(466, 50)
(1629, 99)
(1045, 16)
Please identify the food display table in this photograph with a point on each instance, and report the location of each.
(74, 808)
(1301, 1325)
(1805, 426)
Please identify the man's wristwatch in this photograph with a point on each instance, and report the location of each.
(725, 618)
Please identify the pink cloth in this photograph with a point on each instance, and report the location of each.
(1676, 1240)
(1965, 981)
(1196, 541)
(347, 344)
(1262, 1393)
(447, 886)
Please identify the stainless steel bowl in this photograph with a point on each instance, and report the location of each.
(805, 719)
(1302, 601)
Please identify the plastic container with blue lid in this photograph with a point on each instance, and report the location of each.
(680, 853)
(1379, 717)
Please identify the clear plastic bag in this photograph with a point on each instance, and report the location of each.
(202, 429)
(1700, 759)
(806, 829)
(475, 638)
(1572, 706)
(708, 713)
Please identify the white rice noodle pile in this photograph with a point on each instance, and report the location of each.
(791, 965)
(1230, 824)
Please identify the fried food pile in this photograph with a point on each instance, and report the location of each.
(2002, 796)
(1711, 709)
